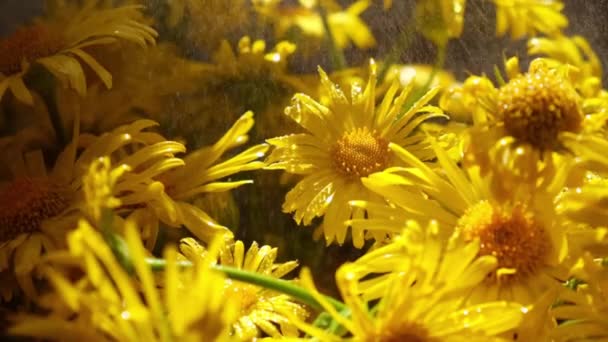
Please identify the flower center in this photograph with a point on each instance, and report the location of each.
(359, 153)
(408, 332)
(517, 240)
(248, 295)
(537, 106)
(27, 43)
(25, 203)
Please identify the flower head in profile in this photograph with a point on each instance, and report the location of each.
(345, 140)
(419, 301)
(107, 303)
(59, 42)
(167, 196)
(518, 225)
(39, 206)
(260, 310)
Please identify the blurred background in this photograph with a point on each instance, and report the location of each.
(476, 51)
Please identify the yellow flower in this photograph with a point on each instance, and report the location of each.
(577, 52)
(59, 41)
(346, 140)
(521, 126)
(420, 300)
(440, 20)
(250, 77)
(107, 304)
(587, 202)
(167, 197)
(585, 310)
(520, 228)
(345, 25)
(39, 206)
(529, 17)
(260, 310)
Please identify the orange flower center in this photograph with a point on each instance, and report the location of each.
(537, 106)
(517, 240)
(359, 153)
(25, 203)
(27, 43)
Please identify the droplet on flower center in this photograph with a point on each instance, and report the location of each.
(408, 332)
(359, 153)
(517, 240)
(25, 203)
(537, 106)
(27, 43)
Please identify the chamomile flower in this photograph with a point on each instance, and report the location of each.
(345, 140)
(59, 43)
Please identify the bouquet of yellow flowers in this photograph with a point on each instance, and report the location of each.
(235, 170)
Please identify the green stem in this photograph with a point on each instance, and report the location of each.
(279, 285)
(338, 60)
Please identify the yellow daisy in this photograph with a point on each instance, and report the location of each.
(39, 206)
(59, 41)
(260, 310)
(420, 300)
(107, 304)
(522, 18)
(519, 226)
(201, 171)
(345, 140)
(345, 24)
(585, 309)
(440, 20)
(526, 118)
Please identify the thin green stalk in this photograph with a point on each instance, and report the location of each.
(336, 54)
(279, 285)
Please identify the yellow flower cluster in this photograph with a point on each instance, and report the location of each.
(448, 210)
